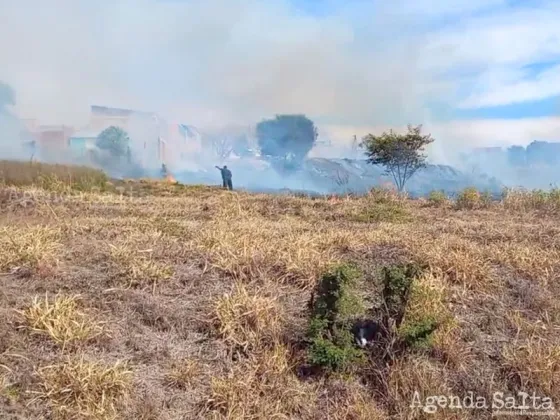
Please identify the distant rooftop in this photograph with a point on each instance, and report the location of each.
(86, 134)
(118, 112)
(189, 130)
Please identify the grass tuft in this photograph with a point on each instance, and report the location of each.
(247, 320)
(182, 373)
(139, 269)
(28, 248)
(85, 390)
(261, 387)
(61, 320)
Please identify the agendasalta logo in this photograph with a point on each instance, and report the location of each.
(502, 404)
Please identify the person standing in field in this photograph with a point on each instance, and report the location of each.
(226, 177)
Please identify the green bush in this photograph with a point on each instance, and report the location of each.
(437, 198)
(336, 353)
(485, 199)
(418, 334)
(334, 307)
(469, 198)
(397, 285)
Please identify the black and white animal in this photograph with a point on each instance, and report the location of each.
(366, 332)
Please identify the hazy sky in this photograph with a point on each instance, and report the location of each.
(474, 72)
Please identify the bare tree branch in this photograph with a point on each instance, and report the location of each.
(222, 146)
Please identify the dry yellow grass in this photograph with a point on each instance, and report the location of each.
(138, 268)
(183, 373)
(254, 249)
(28, 247)
(50, 175)
(61, 319)
(535, 363)
(244, 264)
(261, 387)
(78, 389)
(247, 319)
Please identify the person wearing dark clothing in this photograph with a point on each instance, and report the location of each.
(226, 177)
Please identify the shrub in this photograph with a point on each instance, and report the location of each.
(397, 284)
(437, 198)
(469, 198)
(418, 333)
(333, 312)
(337, 353)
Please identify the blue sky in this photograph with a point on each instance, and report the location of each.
(527, 109)
(471, 71)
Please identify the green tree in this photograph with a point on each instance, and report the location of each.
(7, 96)
(286, 137)
(114, 140)
(401, 154)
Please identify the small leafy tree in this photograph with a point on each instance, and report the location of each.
(286, 137)
(400, 154)
(114, 140)
(7, 96)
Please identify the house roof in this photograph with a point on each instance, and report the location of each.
(118, 112)
(189, 130)
(86, 134)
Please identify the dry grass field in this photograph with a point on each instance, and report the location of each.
(148, 300)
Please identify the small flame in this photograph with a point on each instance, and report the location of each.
(170, 179)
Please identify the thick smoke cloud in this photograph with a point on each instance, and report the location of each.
(352, 66)
(212, 61)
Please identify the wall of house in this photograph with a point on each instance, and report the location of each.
(80, 145)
